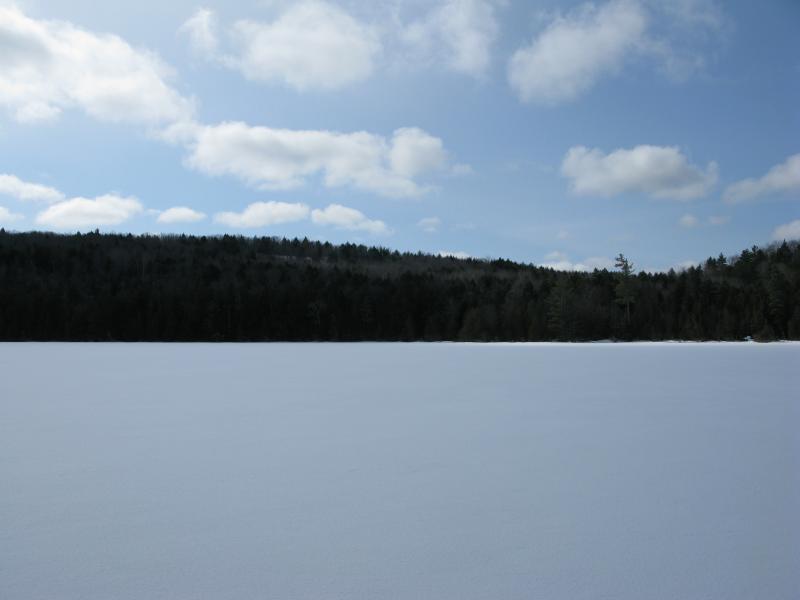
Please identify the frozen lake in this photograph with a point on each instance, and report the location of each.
(372, 471)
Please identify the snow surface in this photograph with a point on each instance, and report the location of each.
(400, 471)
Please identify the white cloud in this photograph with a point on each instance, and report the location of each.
(688, 221)
(312, 45)
(661, 172)
(180, 214)
(448, 254)
(37, 111)
(788, 231)
(458, 33)
(201, 30)
(49, 66)
(575, 51)
(84, 212)
(415, 151)
(429, 224)
(73, 213)
(283, 159)
(264, 214)
(6, 216)
(596, 40)
(351, 219)
(559, 261)
(782, 178)
(11, 185)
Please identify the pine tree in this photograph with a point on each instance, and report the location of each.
(624, 289)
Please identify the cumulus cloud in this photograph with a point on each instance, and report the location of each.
(180, 214)
(13, 186)
(788, 231)
(559, 261)
(77, 213)
(317, 45)
(415, 152)
(283, 159)
(264, 214)
(350, 219)
(6, 216)
(457, 33)
(201, 31)
(576, 50)
(688, 221)
(72, 213)
(661, 172)
(311, 45)
(50, 66)
(429, 224)
(781, 179)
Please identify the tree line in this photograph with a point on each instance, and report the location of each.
(102, 287)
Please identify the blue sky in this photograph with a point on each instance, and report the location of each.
(551, 132)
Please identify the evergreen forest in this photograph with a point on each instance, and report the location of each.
(107, 287)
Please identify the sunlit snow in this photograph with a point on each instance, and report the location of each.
(402, 471)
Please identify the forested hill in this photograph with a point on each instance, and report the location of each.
(164, 288)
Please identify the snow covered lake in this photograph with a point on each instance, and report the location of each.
(401, 471)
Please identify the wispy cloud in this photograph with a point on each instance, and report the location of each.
(780, 179)
(578, 49)
(429, 224)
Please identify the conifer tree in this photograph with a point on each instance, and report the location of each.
(624, 289)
